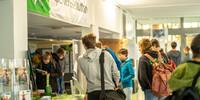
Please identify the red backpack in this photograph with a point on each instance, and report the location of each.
(161, 74)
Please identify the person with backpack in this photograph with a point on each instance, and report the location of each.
(145, 69)
(117, 61)
(174, 54)
(89, 63)
(127, 73)
(185, 80)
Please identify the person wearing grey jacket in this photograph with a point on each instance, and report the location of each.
(90, 66)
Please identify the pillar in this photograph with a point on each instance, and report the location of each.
(13, 28)
(183, 36)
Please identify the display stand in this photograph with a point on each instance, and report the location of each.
(14, 80)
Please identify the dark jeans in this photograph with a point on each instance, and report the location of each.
(94, 95)
(60, 84)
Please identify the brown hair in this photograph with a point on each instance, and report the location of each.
(173, 45)
(61, 51)
(123, 51)
(89, 41)
(154, 42)
(145, 45)
(47, 56)
(99, 44)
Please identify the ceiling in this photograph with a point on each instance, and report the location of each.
(41, 27)
(161, 8)
(45, 27)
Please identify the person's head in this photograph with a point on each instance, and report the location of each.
(186, 50)
(155, 43)
(38, 51)
(195, 46)
(46, 58)
(99, 44)
(173, 45)
(89, 41)
(123, 54)
(144, 45)
(61, 53)
(161, 50)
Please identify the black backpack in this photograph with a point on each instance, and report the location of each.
(188, 93)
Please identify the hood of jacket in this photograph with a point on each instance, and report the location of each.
(92, 54)
(129, 60)
(153, 54)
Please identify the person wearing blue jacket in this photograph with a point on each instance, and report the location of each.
(117, 61)
(127, 73)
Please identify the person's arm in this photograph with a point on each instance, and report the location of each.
(143, 72)
(176, 82)
(131, 73)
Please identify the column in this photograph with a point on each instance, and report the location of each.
(13, 28)
(183, 36)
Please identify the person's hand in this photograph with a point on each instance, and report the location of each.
(63, 73)
(45, 73)
(85, 97)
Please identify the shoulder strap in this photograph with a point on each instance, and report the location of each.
(195, 79)
(101, 61)
(150, 58)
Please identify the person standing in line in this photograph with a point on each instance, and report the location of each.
(90, 66)
(117, 61)
(183, 76)
(145, 69)
(127, 73)
(174, 54)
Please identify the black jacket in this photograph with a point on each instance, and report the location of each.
(145, 70)
(57, 64)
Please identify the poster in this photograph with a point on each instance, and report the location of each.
(21, 78)
(158, 33)
(25, 95)
(72, 11)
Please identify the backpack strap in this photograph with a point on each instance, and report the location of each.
(150, 58)
(101, 62)
(195, 79)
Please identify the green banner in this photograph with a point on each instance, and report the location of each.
(39, 6)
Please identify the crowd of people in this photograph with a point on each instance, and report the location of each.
(179, 70)
(119, 69)
(49, 70)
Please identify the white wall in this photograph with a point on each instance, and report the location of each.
(105, 14)
(13, 28)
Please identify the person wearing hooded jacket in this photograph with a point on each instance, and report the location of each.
(145, 69)
(126, 73)
(90, 66)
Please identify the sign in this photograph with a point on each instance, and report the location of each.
(72, 11)
(39, 6)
